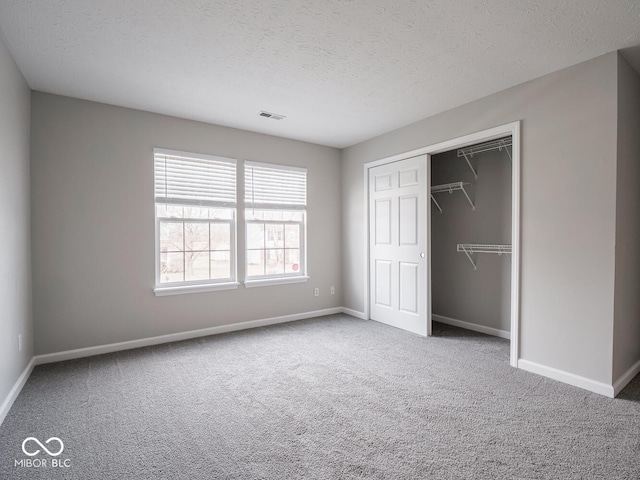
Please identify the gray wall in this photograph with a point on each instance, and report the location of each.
(479, 296)
(93, 225)
(626, 340)
(569, 141)
(15, 267)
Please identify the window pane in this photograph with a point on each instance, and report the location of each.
(171, 238)
(220, 265)
(274, 260)
(292, 236)
(273, 215)
(292, 216)
(292, 261)
(161, 210)
(220, 236)
(168, 211)
(171, 267)
(274, 235)
(255, 263)
(196, 236)
(196, 212)
(221, 213)
(255, 235)
(196, 266)
(253, 214)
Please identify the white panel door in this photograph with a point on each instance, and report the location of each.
(398, 231)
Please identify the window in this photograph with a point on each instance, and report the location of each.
(275, 202)
(195, 203)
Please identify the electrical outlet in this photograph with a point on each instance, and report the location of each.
(20, 342)
(332, 290)
(316, 292)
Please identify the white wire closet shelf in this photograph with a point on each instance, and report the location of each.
(471, 150)
(450, 187)
(471, 248)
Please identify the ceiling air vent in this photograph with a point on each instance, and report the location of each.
(272, 116)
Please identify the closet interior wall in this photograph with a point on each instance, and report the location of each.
(459, 292)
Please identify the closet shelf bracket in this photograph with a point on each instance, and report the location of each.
(473, 170)
(497, 144)
(471, 248)
(450, 187)
(436, 203)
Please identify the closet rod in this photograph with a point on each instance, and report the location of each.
(471, 248)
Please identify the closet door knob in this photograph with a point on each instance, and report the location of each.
(421, 254)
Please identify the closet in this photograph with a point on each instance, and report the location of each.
(471, 233)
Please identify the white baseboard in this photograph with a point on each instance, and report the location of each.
(626, 377)
(176, 337)
(472, 326)
(15, 391)
(571, 379)
(145, 342)
(354, 313)
(566, 377)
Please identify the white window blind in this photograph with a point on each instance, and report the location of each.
(275, 186)
(193, 179)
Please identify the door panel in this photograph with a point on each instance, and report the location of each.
(408, 178)
(383, 222)
(383, 283)
(398, 233)
(382, 182)
(409, 287)
(408, 220)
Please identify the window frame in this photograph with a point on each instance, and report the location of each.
(279, 278)
(285, 277)
(204, 285)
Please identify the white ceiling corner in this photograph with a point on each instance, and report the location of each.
(341, 71)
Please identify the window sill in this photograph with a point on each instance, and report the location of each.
(274, 281)
(179, 290)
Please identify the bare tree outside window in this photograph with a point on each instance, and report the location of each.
(195, 243)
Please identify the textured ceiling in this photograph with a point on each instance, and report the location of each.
(342, 71)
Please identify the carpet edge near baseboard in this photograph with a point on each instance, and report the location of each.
(549, 372)
(16, 389)
(567, 377)
(179, 336)
(472, 326)
(7, 403)
(626, 378)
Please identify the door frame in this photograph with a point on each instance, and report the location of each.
(512, 129)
